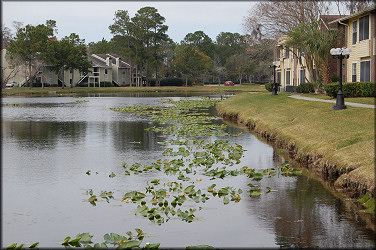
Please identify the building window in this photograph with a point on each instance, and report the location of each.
(105, 74)
(302, 76)
(278, 77)
(51, 77)
(287, 52)
(315, 73)
(123, 76)
(278, 52)
(365, 71)
(354, 32)
(288, 77)
(364, 28)
(353, 72)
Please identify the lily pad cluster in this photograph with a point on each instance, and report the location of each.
(111, 240)
(190, 150)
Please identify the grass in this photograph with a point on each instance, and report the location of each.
(343, 137)
(362, 100)
(68, 90)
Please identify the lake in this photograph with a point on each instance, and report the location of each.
(50, 143)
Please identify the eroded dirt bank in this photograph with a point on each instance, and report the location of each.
(315, 163)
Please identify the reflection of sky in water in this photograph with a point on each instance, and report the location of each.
(50, 143)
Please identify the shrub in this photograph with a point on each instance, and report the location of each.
(352, 89)
(269, 86)
(106, 84)
(305, 88)
(168, 82)
(172, 82)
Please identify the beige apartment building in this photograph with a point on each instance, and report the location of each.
(360, 36)
(291, 68)
(357, 32)
(106, 68)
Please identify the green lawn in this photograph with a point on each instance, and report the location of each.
(344, 137)
(68, 90)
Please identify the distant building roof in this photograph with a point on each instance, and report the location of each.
(327, 20)
(96, 61)
(113, 57)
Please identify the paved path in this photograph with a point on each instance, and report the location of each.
(358, 105)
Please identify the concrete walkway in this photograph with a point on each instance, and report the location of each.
(358, 105)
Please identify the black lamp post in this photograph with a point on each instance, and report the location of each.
(274, 90)
(340, 53)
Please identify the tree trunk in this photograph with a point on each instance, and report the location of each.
(72, 78)
(30, 81)
(325, 72)
(62, 83)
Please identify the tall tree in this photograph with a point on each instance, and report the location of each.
(353, 6)
(68, 54)
(228, 44)
(271, 19)
(149, 29)
(30, 44)
(200, 41)
(315, 44)
(192, 63)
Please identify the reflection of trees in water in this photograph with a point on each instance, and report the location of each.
(35, 134)
(126, 136)
(304, 214)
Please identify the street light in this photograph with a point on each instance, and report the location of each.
(274, 92)
(340, 53)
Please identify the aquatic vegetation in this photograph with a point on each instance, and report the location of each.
(186, 154)
(82, 101)
(288, 171)
(127, 241)
(21, 246)
(190, 150)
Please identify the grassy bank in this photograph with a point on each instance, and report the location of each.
(67, 90)
(338, 143)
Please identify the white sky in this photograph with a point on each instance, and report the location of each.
(90, 19)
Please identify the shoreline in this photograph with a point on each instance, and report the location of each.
(350, 180)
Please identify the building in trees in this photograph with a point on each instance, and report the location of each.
(106, 70)
(360, 36)
(296, 66)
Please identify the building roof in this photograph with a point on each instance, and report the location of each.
(113, 57)
(327, 20)
(97, 62)
(346, 18)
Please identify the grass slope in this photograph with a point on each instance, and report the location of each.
(345, 138)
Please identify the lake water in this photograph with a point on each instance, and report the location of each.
(49, 143)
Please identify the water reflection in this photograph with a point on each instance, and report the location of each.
(305, 214)
(50, 143)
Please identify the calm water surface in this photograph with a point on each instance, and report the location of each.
(48, 144)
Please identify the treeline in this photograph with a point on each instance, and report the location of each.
(142, 40)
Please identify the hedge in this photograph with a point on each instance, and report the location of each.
(269, 86)
(352, 89)
(170, 82)
(305, 88)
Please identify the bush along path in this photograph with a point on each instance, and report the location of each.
(191, 154)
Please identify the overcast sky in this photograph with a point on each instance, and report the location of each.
(90, 19)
